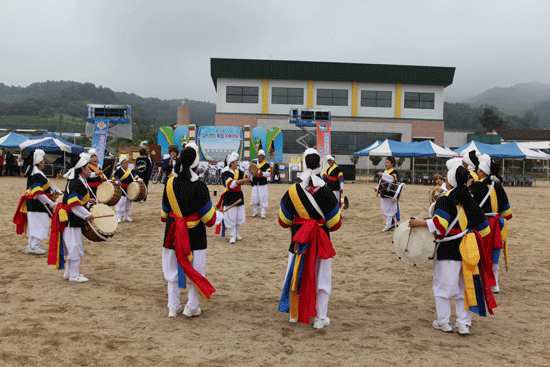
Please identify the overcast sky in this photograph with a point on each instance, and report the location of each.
(162, 48)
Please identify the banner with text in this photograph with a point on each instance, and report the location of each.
(99, 139)
(216, 142)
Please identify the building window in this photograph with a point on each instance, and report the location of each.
(293, 96)
(419, 100)
(342, 142)
(332, 97)
(241, 94)
(375, 98)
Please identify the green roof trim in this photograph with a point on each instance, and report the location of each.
(330, 71)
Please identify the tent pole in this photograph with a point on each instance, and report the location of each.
(523, 170)
(413, 172)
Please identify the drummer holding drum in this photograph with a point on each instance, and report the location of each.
(96, 175)
(69, 218)
(125, 176)
(461, 269)
(390, 207)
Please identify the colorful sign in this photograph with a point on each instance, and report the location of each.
(274, 139)
(165, 138)
(99, 139)
(180, 136)
(257, 142)
(217, 142)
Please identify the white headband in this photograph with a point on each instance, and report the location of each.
(261, 152)
(38, 156)
(194, 176)
(452, 166)
(232, 158)
(485, 164)
(122, 159)
(330, 158)
(309, 173)
(84, 160)
(92, 152)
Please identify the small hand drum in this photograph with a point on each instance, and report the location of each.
(253, 168)
(344, 203)
(434, 194)
(414, 246)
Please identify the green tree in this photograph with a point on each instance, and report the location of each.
(491, 121)
(354, 159)
(375, 160)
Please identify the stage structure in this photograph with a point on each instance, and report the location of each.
(216, 142)
(107, 121)
(319, 119)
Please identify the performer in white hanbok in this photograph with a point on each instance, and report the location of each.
(260, 193)
(32, 214)
(68, 220)
(334, 177)
(232, 179)
(390, 207)
(125, 176)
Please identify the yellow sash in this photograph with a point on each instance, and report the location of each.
(331, 169)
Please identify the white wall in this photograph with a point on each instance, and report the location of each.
(283, 109)
(420, 113)
(334, 110)
(388, 112)
(345, 111)
(223, 107)
(452, 139)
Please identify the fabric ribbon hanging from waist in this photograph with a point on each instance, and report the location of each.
(20, 217)
(178, 239)
(59, 222)
(311, 243)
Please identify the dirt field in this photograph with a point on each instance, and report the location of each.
(381, 309)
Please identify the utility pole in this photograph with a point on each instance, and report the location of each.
(60, 118)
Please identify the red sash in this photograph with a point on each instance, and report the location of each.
(20, 218)
(55, 238)
(178, 239)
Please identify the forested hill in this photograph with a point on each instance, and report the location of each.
(39, 106)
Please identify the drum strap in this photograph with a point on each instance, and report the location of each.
(488, 194)
(445, 239)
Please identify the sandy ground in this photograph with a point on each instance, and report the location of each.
(381, 309)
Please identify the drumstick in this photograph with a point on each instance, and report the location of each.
(232, 205)
(104, 216)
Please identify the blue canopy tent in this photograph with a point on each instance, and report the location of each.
(393, 148)
(53, 145)
(12, 140)
(503, 151)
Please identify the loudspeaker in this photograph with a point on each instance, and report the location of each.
(307, 115)
(349, 171)
(322, 115)
(48, 170)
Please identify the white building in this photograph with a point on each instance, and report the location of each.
(368, 102)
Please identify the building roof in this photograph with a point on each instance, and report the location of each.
(330, 71)
(523, 135)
